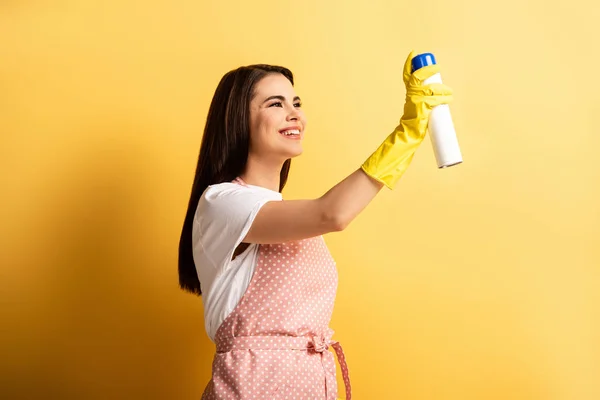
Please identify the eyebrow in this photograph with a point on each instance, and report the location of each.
(279, 97)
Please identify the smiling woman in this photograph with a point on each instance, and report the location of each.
(269, 280)
(270, 114)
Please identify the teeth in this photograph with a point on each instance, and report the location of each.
(291, 132)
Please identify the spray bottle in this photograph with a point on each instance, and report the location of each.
(441, 128)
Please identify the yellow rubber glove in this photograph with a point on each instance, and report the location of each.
(392, 158)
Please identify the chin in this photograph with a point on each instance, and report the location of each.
(294, 154)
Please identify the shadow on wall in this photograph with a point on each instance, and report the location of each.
(106, 319)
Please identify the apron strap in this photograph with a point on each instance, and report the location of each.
(239, 181)
(345, 373)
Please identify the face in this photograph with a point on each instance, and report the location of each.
(277, 121)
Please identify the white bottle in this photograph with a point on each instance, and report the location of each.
(441, 128)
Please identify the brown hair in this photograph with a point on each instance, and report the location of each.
(223, 151)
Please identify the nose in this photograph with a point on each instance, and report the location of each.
(293, 115)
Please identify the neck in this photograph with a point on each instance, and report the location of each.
(261, 172)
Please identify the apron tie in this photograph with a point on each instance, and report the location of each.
(320, 343)
(317, 343)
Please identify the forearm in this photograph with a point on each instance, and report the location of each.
(343, 202)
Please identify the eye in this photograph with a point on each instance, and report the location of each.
(277, 104)
(298, 104)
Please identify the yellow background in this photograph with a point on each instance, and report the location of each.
(481, 281)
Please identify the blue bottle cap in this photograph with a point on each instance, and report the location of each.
(422, 60)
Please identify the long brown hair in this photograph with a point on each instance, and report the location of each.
(223, 151)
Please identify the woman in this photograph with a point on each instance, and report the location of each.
(268, 280)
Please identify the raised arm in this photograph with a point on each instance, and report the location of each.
(281, 221)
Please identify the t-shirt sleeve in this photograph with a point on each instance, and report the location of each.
(224, 215)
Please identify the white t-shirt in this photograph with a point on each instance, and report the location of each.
(223, 217)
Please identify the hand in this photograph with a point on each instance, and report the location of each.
(389, 162)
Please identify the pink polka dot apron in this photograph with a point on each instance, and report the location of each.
(275, 343)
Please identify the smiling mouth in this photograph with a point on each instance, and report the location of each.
(291, 133)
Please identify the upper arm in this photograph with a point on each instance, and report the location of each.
(224, 215)
(229, 214)
(282, 221)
